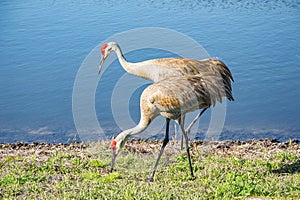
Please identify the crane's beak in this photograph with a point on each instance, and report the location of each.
(113, 162)
(101, 64)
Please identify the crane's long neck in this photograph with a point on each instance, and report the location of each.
(138, 69)
(132, 131)
(126, 65)
(123, 136)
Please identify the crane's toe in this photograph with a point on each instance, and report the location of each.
(150, 179)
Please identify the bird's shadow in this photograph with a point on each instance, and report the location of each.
(289, 168)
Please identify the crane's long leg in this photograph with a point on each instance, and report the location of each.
(165, 142)
(182, 121)
(187, 147)
(175, 131)
(188, 129)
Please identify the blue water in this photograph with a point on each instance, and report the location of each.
(43, 43)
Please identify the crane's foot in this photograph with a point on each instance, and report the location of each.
(150, 179)
(192, 178)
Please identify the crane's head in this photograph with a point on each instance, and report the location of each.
(116, 146)
(105, 50)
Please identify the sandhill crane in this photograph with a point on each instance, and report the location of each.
(172, 98)
(162, 68)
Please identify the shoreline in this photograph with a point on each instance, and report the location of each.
(142, 146)
(48, 135)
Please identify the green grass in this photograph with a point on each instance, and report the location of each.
(84, 175)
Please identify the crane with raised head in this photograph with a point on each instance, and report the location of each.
(162, 68)
(172, 98)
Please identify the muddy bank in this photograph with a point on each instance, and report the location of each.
(235, 148)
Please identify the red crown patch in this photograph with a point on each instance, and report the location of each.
(113, 145)
(103, 48)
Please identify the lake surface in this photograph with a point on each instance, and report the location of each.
(43, 44)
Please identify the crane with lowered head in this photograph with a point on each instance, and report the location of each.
(172, 98)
